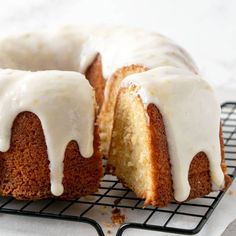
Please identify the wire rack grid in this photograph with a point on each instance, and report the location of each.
(97, 208)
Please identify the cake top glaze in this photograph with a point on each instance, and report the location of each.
(75, 48)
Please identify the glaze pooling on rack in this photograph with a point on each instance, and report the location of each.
(65, 104)
(191, 115)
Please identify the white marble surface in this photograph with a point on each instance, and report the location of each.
(206, 28)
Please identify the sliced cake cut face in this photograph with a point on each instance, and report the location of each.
(191, 117)
(105, 118)
(129, 153)
(132, 157)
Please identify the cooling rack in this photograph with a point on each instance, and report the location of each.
(97, 208)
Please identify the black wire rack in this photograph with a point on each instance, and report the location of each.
(97, 208)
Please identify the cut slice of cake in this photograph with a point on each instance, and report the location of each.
(166, 142)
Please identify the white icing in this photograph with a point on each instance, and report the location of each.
(64, 103)
(191, 116)
(120, 47)
(74, 48)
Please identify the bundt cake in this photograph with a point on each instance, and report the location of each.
(141, 153)
(47, 128)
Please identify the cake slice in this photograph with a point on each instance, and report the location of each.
(166, 142)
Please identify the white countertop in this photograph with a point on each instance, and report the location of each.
(206, 28)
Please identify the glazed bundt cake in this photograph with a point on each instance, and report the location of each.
(140, 153)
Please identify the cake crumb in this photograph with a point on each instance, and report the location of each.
(117, 201)
(103, 210)
(231, 192)
(109, 232)
(117, 217)
(108, 225)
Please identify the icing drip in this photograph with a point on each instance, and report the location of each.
(64, 103)
(191, 116)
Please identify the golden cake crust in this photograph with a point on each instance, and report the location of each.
(24, 168)
(160, 163)
(95, 78)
